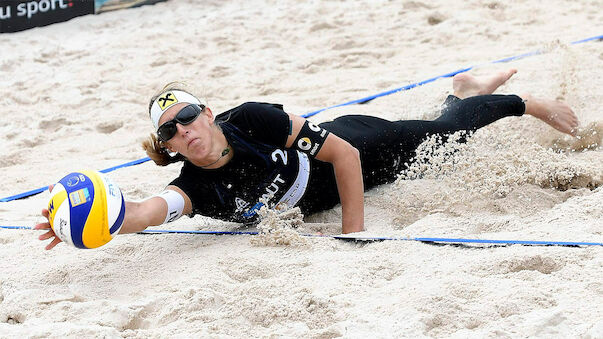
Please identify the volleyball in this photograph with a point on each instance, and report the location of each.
(86, 209)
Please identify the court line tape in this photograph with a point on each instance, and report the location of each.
(374, 239)
(42, 189)
(444, 241)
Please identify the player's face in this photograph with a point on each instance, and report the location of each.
(191, 137)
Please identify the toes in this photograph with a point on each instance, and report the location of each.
(509, 73)
(460, 77)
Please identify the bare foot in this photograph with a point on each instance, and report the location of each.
(466, 85)
(555, 113)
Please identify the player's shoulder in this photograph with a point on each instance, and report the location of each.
(246, 109)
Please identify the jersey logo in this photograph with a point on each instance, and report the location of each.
(272, 188)
(304, 144)
(241, 204)
(166, 100)
(270, 192)
(310, 138)
(314, 149)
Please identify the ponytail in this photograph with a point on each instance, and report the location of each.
(158, 153)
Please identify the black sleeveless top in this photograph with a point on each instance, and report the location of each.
(262, 171)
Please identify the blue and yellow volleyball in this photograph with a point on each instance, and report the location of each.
(86, 209)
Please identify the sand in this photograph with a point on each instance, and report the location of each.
(74, 95)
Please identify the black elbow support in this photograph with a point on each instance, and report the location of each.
(310, 139)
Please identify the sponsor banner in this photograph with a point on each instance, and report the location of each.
(19, 15)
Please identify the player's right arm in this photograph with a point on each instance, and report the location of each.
(153, 212)
(139, 215)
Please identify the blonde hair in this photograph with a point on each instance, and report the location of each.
(154, 147)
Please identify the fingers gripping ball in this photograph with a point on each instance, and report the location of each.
(86, 209)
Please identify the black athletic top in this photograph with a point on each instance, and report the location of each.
(261, 169)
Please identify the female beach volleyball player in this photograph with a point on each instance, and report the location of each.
(257, 154)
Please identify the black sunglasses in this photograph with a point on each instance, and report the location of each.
(185, 116)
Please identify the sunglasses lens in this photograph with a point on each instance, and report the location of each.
(167, 131)
(184, 117)
(188, 114)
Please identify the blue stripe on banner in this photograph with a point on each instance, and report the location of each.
(358, 101)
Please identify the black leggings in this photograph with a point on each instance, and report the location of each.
(385, 146)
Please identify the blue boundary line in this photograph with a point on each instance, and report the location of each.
(421, 239)
(357, 101)
(371, 239)
(42, 189)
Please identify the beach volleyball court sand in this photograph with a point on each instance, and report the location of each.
(74, 95)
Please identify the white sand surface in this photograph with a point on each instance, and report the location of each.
(74, 95)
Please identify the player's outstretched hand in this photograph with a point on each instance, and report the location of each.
(46, 226)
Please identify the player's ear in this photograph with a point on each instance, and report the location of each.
(210, 115)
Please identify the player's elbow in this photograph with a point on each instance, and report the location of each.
(355, 152)
(347, 155)
(352, 152)
(338, 151)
